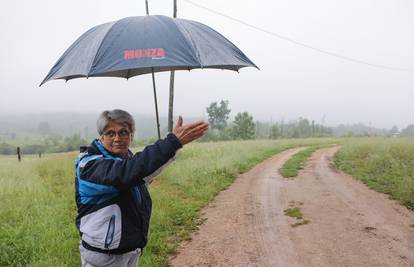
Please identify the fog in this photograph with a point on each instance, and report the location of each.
(293, 81)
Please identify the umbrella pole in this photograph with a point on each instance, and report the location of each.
(156, 105)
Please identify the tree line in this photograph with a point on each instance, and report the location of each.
(244, 127)
(49, 144)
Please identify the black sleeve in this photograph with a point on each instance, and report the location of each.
(130, 172)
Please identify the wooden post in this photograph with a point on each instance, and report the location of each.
(172, 75)
(19, 157)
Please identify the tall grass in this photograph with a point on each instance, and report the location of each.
(37, 212)
(384, 164)
(37, 207)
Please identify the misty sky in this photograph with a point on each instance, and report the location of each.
(292, 81)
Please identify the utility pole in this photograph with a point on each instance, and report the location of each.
(172, 75)
(146, 7)
(154, 87)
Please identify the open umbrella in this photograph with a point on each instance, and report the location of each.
(146, 44)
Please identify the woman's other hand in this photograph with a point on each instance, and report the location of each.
(190, 132)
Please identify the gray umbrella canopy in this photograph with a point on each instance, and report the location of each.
(145, 44)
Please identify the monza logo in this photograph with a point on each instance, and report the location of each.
(154, 53)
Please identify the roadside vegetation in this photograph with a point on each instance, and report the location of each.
(297, 162)
(383, 164)
(37, 207)
(295, 212)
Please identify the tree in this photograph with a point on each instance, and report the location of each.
(218, 115)
(6, 149)
(304, 128)
(73, 142)
(275, 131)
(394, 130)
(243, 126)
(408, 131)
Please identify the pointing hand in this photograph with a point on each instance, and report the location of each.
(190, 132)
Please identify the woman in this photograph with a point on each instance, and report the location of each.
(114, 206)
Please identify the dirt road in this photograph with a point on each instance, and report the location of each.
(349, 224)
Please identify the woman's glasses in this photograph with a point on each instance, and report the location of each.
(123, 133)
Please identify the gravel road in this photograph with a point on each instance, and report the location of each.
(347, 223)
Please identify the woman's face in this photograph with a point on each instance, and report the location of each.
(117, 138)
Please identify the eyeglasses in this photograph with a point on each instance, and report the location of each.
(123, 133)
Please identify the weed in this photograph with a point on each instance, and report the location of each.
(294, 212)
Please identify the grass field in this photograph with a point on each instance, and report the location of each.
(37, 207)
(384, 164)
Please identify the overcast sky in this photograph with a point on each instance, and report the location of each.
(292, 81)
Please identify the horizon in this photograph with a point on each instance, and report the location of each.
(163, 119)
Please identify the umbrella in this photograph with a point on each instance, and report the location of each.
(146, 44)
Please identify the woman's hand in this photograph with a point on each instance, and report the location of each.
(190, 132)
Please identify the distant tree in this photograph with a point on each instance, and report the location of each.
(263, 129)
(33, 149)
(7, 149)
(243, 126)
(73, 142)
(408, 131)
(43, 128)
(394, 130)
(218, 115)
(304, 128)
(275, 131)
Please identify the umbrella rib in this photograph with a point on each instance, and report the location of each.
(191, 41)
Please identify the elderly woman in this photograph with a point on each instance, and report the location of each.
(114, 206)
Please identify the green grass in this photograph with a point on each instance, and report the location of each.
(294, 212)
(297, 162)
(37, 207)
(383, 164)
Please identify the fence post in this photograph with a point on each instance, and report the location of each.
(19, 157)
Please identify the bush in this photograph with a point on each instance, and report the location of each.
(7, 149)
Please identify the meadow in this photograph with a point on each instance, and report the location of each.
(383, 164)
(37, 207)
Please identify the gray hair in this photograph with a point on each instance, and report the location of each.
(117, 116)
